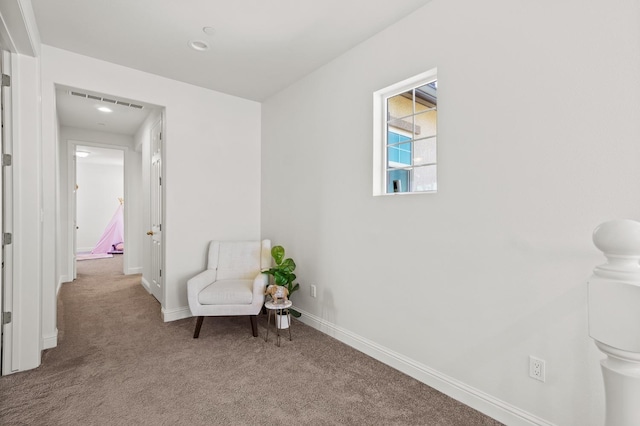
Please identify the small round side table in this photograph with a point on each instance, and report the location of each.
(278, 310)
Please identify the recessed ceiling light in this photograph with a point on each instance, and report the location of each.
(104, 109)
(198, 45)
(82, 154)
(209, 30)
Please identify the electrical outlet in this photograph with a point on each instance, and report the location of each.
(312, 290)
(536, 368)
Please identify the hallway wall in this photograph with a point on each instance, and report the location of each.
(538, 136)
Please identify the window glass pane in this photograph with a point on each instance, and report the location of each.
(400, 105)
(392, 138)
(428, 93)
(398, 155)
(424, 179)
(398, 159)
(424, 151)
(398, 181)
(424, 106)
(393, 155)
(399, 125)
(426, 124)
(404, 157)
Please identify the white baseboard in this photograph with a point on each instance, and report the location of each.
(84, 249)
(146, 285)
(169, 314)
(50, 341)
(63, 279)
(176, 313)
(135, 270)
(474, 398)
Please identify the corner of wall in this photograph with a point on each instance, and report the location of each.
(50, 341)
(175, 314)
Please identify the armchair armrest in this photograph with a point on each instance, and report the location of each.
(259, 284)
(197, 283)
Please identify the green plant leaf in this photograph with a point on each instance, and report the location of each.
(283, 271)
(278, 254)
(288, 265)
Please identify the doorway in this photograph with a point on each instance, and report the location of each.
(97, 202)
(91, 121)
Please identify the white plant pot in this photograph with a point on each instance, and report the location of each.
(282, 321)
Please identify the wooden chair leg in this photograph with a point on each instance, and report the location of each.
(254, 324)
(198, 325)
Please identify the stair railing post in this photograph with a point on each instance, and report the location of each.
(614, 318)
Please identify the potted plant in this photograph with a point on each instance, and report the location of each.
(283, 275)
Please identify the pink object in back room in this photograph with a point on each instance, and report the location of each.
(112, 239)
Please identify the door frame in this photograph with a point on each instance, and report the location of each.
(71, 202)
(9, 346)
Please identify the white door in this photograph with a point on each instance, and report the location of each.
(73, 206)
(156, 211)
(6, 207)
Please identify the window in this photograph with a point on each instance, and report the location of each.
(405, 120)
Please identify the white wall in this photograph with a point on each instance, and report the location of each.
(538, 144)
(100, 186)
(203, 131)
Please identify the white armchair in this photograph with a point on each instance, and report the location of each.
(233, 283)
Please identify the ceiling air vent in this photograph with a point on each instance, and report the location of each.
(100, 98)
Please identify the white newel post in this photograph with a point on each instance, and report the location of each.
(614, 318)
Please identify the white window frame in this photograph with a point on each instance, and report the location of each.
(380, 128)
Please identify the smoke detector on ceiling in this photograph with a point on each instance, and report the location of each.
(199, 45)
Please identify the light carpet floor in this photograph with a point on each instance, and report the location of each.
(117, 363)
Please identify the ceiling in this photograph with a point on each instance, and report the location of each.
(256, 47)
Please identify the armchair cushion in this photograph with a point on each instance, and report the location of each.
(227, 292)
(237, 259)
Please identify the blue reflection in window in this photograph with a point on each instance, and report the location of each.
(398, 153)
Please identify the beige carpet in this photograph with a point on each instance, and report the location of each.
(117, 363)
